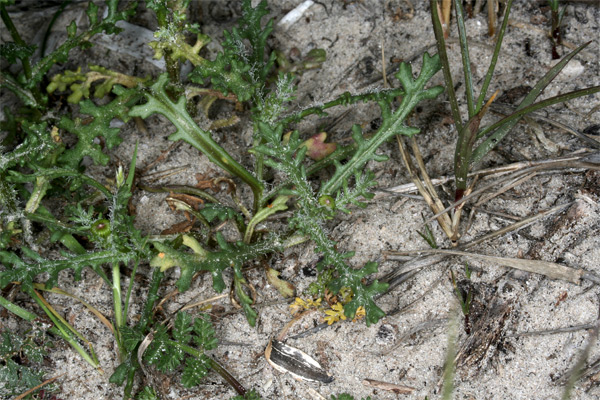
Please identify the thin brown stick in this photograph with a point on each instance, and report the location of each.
(288, 326)
(557, 164)
(443, 219)
(33, 389)
(390, 387)
(188, 306)
(549, 269)
(554, 331)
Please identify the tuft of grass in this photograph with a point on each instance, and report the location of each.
(475, 141)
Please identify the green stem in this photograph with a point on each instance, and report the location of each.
(129, 289)
(441, 46)
(180, 189)
(392, 125)
(339, 154)
(21, 312)
(344, 100)
(490, 73)
(41, 185)
(500, 129)
(60, 173)
(190, 132)
(241, 390)
(117, 306)
(14, 33)
(464, 52)
(43, 216)
(58, 12)
(146, 318)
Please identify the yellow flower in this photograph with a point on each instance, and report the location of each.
(360, 312)
(298, 305)
(314, 303)
(335, 314)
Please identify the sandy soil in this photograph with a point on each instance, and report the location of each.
(512, 352)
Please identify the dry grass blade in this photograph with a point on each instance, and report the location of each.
(427, 290)
(450, 361)
(155, 176)
(61, 318)
(588, 162)
(426, 325)
(487, 173)
(409, 268)
(554, 331)
(505, 188)
(549, 269)
(97, 313)
(390, 387)
(33, 389)
(199, 303)
(428, 193)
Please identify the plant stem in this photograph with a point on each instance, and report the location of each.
(42, 184)
(117, 306)
(190, 132)
(464, 52)
(492, 67)
(449, 362)
(129, 289)
(14, 33)
(441, 46)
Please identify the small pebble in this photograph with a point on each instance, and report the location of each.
(571, 70)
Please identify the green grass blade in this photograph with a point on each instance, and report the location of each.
(511, 121)
(464, 52)
(503, 126)
(490, 73)
(441, 46)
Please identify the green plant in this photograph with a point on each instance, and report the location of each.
(94, 228)
(465, 297)
(251, 395)
(428, 236)
(21, 358)
(27, 84)
(246, 80)
(474, 141)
